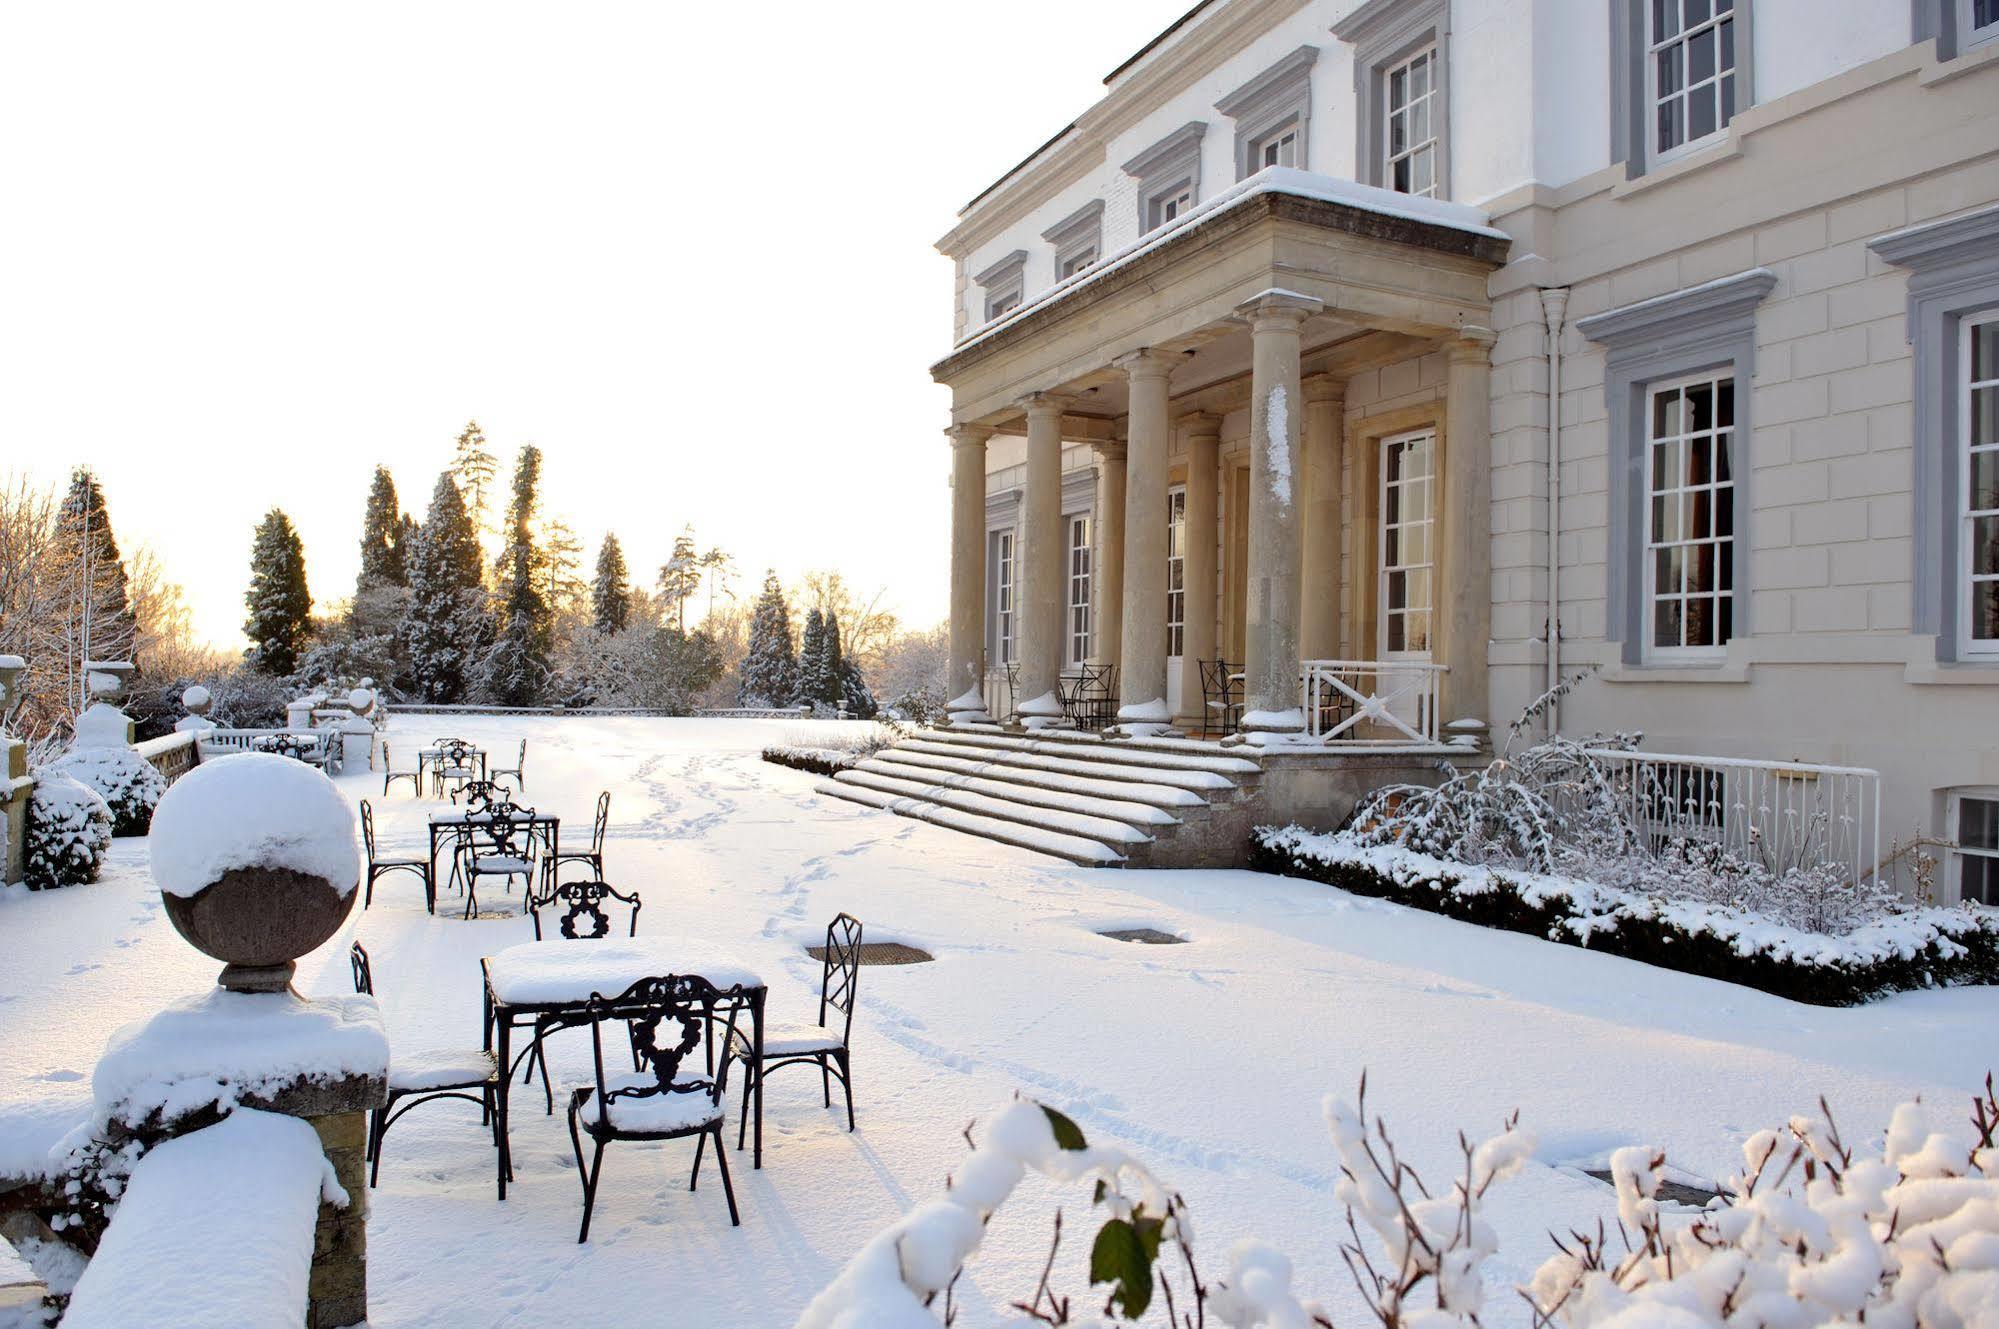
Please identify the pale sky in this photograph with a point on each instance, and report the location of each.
(250, 250)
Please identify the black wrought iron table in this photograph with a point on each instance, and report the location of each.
(546, 827)
(535, 980)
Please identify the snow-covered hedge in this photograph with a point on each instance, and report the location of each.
(819, 761)
(69, 828)
(129, 784)
(1912, 948)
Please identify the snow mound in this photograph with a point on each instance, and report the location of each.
(102, 726)
(195, 696)
(69, 828)
(252, 809)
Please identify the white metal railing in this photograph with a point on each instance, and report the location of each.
(1783, 814)
(1355, 702)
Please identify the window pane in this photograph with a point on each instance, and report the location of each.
(1985, 346)
(1700, 471)
(1695, 11)
(1700, 113)
(1724, 512)
(1985, 546)
(1727, 619)
(1700, 621)
(1665, 517)
(1419, 589)
(1398, 590)
(1700, 568)
(1727, 548)
(1419, 122)
(1418, 634)
(1978, 878)
(1727, 38)
(1700, 56)
(1416, 543)
(1665, 414)
(1666, 623)
(1700, 508)
(1394, 637)
(1984, 481)
(1985, 415)
(1424, 180)
(1398, 87)
(1978, 823)
(1985, 611)
(1401, 180)
(1669, 69)
(1727, 98)
(1665, 19)
(1398, 132)
(1666, 569)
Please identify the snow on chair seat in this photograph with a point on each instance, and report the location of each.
(418, 1072)
(785, 1039)
(689, 1109)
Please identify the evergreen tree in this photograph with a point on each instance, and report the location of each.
(448, 627)
(381, 527)
(833, 668)
(102, 626)
(813, 680)
(680, 577)
(280, 605)
(769, 675)
(610, 592)
(563, 555)
(475, 470)
(517, 668)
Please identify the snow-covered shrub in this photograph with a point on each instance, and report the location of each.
(69, 828)
(1909, 948)
(829, 755)
(129, 784)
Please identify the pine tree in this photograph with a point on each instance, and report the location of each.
(475, 470)
(448, 627)
(769, 675)
(563, 555)
(610, 592)
(101, 626)
(680, 577)
(381, 525)
(832, 669)
(280, 605)
(517, 669)
(813, 680)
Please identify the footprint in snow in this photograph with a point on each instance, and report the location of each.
(62, 1077)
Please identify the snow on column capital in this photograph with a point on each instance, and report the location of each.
(255, 859)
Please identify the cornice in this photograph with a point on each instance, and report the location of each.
(1718, 301)
(1939, 243)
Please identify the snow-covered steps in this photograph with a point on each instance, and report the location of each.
(1087, 799)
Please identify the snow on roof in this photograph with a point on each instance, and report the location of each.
(1271, 180)
(222, 1047)
(252, 809)
(215, 1228)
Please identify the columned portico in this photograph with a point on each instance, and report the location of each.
(1203, 433)
(968, 568)
(1464, 627)
(1142, 671)
(1107, 614)
(1271, 697)
(1325, 465)
(1042, 564)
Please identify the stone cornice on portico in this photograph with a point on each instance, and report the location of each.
(1373, 270)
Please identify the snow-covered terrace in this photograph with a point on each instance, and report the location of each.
(1207, 1059)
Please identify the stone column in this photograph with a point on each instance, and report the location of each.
(968, 571)
(1271, 696)
(1043, 568)
(1204, 437)
(1142, 671)
(1325, 452)
(1107, 575)
(1463, 594)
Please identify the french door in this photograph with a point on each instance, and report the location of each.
(1406, 594)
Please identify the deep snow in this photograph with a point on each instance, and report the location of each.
(1207, 1060)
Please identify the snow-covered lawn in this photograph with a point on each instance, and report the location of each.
(1209, 1059)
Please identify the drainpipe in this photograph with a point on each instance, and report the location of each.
(1554, 304)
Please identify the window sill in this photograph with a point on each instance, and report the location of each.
(1726, 671)
(1725, 148)
(1964, 62)
(1981, 673)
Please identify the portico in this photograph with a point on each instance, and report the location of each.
(1241, 517)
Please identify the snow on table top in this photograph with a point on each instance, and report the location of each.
(252, 809)
(536, 973)
(215, 1228)
(222, 1046)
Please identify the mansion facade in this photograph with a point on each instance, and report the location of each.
(1419, 354)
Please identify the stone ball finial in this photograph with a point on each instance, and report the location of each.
(255, 859)
(196, 700)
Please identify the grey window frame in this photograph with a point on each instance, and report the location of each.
(1080, 572)
(1384, 33)
(1006, 279)
(1002, 519)
(1079, 233)
(1953, 270)
(1630, 113)
(1168, 167)
(1944, 20)
(1276, 100)
(1703, 328)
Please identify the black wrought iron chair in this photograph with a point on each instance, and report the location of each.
(380, 867)
(457, 766)
(503, 844)
(582, 909)
(825, 1044)
(1221, 697)
(390, 775)
(666, 1018)
(520, 764)
(1089, 696)
(594, 855)
(1012, 676)
(426, 1077)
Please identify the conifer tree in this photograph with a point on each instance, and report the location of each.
(475, 470)
(680, 576)
(833, 666)
(517, 668)
(813, 680)
(769, 674)
(99, 606)
(448, 628)
(562, 556)
(381, 526)
(406, 529)
(610, 592)
(280, 605)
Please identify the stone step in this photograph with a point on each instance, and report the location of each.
(1209, 784)
(1151, 754)
(1065, 822)
(1074, 848)
(1165, 801)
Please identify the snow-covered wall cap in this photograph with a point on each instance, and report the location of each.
(102, 726)
(252, 809)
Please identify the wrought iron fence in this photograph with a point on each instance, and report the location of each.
(1381, 702)
(1784, 814)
